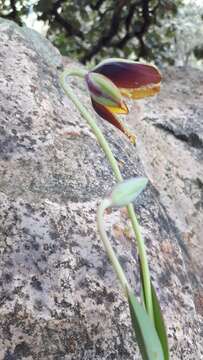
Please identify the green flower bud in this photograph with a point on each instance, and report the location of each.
(126, 192)
(104, 92)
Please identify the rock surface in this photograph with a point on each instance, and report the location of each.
(59, 298)
(170, 129)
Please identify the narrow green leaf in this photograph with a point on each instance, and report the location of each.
(143, 295)
(158, 317)
(159, 324)
(146, 335)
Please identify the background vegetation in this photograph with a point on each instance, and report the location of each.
(164, 31)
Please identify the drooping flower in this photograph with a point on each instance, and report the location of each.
(114, 78)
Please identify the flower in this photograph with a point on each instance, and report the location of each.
(114, 78)
(104, 92)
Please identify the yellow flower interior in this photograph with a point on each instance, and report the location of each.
(140, 93)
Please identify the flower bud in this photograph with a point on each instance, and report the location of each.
(126, 192)
(104, 92)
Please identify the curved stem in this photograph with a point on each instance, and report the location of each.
(74, 71)
(111, 254)
(105, 146)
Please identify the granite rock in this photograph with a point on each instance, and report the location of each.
(59, 298)
(170, 129)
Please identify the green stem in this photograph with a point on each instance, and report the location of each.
(111, 254)
(72, 72)
(105, 146)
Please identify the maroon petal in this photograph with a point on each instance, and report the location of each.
(129, 74)
(106, 114)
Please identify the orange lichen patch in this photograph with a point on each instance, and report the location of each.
(128, 232)
(199, 301)
(124, 213)
(166, 247)
(140, 93)
(72, 133)
(118, 231)
(121, 163)
(108, 211)
(121, 233)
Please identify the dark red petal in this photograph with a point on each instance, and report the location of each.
(107, 115)
(126, 74)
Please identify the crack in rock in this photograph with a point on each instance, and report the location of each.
(191, 139)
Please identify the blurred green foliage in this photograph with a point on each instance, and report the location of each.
(89, 30)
